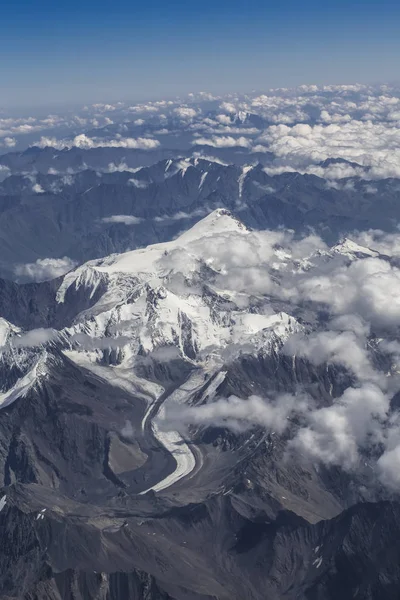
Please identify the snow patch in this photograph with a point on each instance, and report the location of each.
(242, 178)
(202, 179)
(318, 562)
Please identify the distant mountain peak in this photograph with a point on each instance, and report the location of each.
(220, 220)
(348, 247)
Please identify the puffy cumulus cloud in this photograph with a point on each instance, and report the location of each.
(11, 127)
(223, 119)
(327, 104)
(332, 172)
(359, 296)
(185, 112)
(202, 96)
(228, 107)
(368, 287)
(44, 268)
(86, 143)
(385, 243)
(280, 109)
(223, 141)
(233, 249)
(336, 434)
(343, 348)
(9, 142)
(34, 337)
(106, 107)
(235, 413)
(125, 219)
(245, 261)
(352, 323)
(301, 147)
(242, 263)
(150, 107)
(37, 189)
(248, 263)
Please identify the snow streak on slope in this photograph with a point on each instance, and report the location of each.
(23, 385)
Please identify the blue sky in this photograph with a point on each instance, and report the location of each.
(74, 52)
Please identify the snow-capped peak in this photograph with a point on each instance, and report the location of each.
(349, 248)
(174, 294)
(146, 261)
(220, 220)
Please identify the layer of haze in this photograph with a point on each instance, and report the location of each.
(62, 53)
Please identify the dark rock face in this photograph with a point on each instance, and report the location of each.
(73, 527)
(33, 305)
(215, 552)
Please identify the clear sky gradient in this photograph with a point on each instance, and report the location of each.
(86, 51)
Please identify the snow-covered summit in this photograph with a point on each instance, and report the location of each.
(144, 260)
(351, 249)
(219, 221)
(174, 294)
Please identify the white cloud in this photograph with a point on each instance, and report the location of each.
(374, 146)
(369, 288)
(181, 215)
(235, 413)
(185, 112)
(343, 348)
(125, 219)
(9, 142)
(37, 189)
(223, 141)
(85, 142)
(120, 168)
(228, 107)
(223, 119)
(335, 434)
(34, 337)
(45, 268)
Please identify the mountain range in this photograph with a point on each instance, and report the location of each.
(100, 204)
(156, 400)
